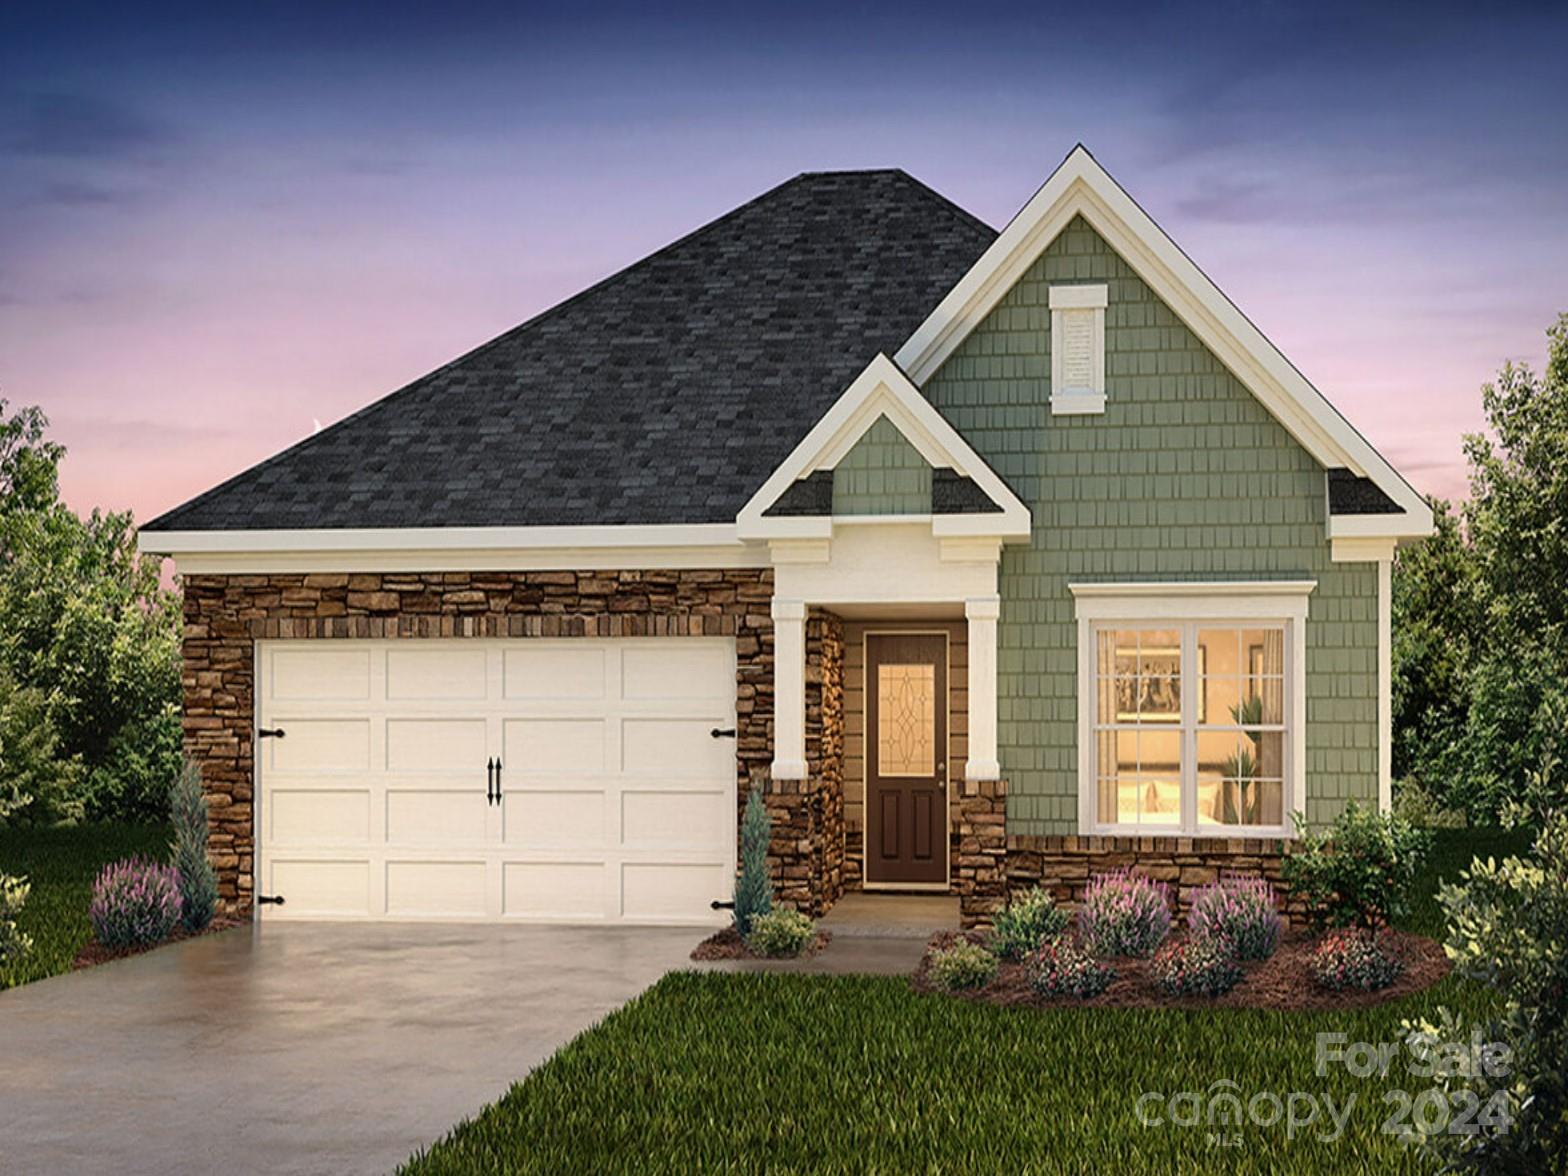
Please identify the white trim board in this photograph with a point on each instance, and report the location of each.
(1080, 186)
(880, 390)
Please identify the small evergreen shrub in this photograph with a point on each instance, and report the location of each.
(1059, 968)
(1196, 967)
(781, 933)
(1124, 914)
(1350, 958)
(135, 903)
(964, 965)
(1359, 872)
(1239, 909)
(13, 896)
(198, 883)
(1025, 923)
(754, 888)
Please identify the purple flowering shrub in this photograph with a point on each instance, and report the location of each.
(1124, 914)
(1352, 958)
(1061, 968)
(1195, 967)
(1238, 909)
(135, 902)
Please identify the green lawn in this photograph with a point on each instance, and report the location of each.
(738, 1072)
(61, 865)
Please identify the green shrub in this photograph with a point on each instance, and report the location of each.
(13, 896)
(1414, 803)
(1025, 923)
(38, 783)
(1354, 958)
(140, 765)
(1507, 926)
(1359, 872)
(1198, 966)
(1124, 914)
(964, 965)
(781, 933)
(198, 883)
(754, 888)
(1059, 968)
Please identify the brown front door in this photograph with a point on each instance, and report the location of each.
(906, 757)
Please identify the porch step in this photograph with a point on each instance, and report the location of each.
(860, 915)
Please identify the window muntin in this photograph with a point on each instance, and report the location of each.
(1189, 725)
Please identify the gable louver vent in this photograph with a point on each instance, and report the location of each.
(1078, 349)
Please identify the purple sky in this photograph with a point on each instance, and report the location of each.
(217, 230)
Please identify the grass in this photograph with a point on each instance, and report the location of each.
(711, 1071)
(61, 865)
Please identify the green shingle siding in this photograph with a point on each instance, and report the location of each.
(1184, 476)
(882, 474)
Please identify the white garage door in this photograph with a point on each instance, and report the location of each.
(616, 801)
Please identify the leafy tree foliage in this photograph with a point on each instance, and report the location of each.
(1481, 608)
(85, 627)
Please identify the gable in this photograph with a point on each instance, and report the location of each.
(898, 456)
(882, 474)
(1081, 190)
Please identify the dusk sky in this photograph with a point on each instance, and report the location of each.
(220, 225)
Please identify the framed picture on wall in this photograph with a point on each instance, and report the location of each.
(1154, 696)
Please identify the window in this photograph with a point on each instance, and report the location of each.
(1189, 726)
(1078, 349)
(1191, 706)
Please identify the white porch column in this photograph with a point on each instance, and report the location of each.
(789, 689)
(982, 612)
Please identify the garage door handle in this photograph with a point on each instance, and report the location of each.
(722, 732)
(498, 793)
(490, 780)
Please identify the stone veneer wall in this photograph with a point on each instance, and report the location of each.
(825, 754)
(226, 614)
(993, 865)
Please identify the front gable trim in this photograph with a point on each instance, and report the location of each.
(882, 389)
(1080, 186)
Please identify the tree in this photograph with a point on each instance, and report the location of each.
(1435, 612)
(1481, 608)
(85, 622)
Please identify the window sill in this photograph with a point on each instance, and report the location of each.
(1239, 832)
(1077, 403)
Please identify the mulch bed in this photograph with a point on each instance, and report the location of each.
(94, 953)
(728, 945)
(1283, 981)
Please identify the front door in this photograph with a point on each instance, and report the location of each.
(906, 758)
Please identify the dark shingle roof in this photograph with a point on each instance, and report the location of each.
(664, 394)
(1350, 495)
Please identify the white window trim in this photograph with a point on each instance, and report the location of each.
(1067, 401)
(1153, 603)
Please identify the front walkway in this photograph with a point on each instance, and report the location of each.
(320, 1048)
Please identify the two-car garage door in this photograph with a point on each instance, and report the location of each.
(610, 799)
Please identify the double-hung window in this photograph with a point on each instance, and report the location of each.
(1189, 726)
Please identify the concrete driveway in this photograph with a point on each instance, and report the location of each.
(329, 1048)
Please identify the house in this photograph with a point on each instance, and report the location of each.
(994, 558)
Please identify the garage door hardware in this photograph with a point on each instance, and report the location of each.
(269, 732)
(269, 900)
(723, 732)
(493, 781)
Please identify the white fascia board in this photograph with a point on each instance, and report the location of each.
(454, 548)
(1378, 526)
(1080, 186)
(880, 390)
